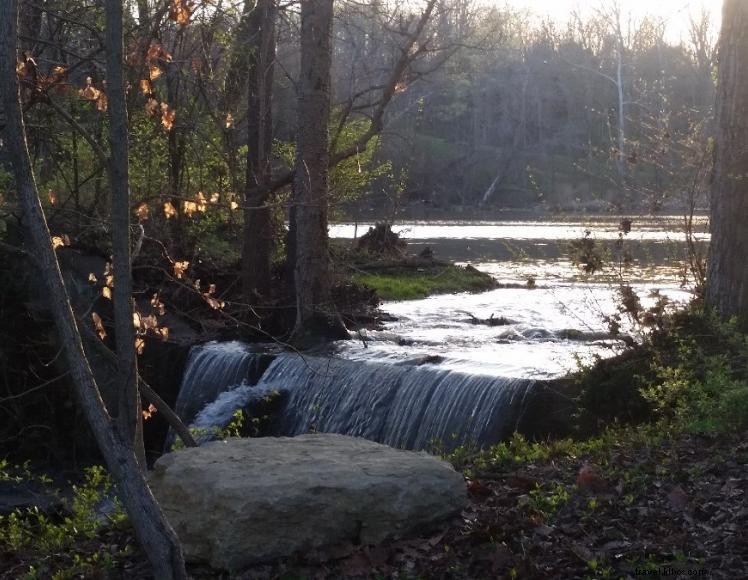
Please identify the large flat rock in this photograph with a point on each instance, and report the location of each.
(242, 501)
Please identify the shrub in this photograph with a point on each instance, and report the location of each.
(61, 545)
(700, 372)
(380, 240)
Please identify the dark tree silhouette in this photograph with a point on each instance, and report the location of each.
(727, 276)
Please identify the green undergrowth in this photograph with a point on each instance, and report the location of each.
(242, 424)
(74, 541)
(518, 451)
(411, 281)
(690, 370)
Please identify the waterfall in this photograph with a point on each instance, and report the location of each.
(213, 368)
(403, 406)
(218, 414)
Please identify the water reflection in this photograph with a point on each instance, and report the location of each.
(663, 228)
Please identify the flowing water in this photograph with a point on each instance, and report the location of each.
(552, 327)
(433, 373)
(213, 369)
(400, 405)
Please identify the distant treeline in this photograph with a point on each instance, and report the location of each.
(603, 112)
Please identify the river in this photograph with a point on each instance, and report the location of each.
(554, 326)
(432, 374)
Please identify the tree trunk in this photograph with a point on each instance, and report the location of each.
(234, 85)
(153, 531)
(144, 13)
(129, 417)
(316, 317)
(30, 24)
(621, 157)
(258, 226)
(727, 277)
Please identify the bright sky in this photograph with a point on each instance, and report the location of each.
(677, 12)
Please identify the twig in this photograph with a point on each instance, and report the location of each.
(34, 389)
(161, 406)
(95, 147)
(171, 417)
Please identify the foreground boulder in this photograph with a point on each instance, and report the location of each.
(243, 501)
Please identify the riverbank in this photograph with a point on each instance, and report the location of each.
(630, 502)
(664, 494)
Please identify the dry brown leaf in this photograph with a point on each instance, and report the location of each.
(189, 207)
(149, 412)
(202, 203)
(57, 242)
(92, 278)
(89, 92)
(139, 344)
(154, 71)
(233, 205)
(98, 325)
(52, 197)
(167, 116)
(228, 122)
(106, 292)
(102, 102)
(157, 52)
(149, 322)
(180, 11)
(589, 477)
(142, 211)
(214, 303)
(214, 197)
(145, 86)
(180, 268)
(169, 210)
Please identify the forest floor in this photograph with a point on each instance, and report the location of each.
(632, 502)
(627, 504)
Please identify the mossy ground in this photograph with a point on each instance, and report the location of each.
(414, 279)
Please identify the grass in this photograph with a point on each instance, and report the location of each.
(414, 282)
